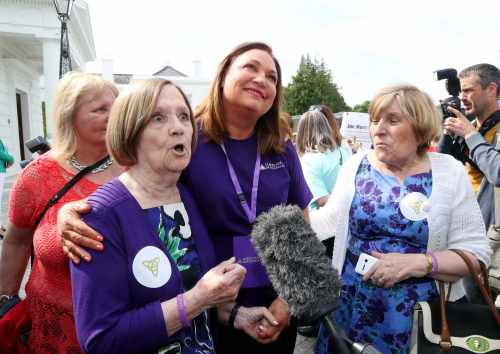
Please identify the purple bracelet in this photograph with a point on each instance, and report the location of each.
(435, 266)
(182, 311)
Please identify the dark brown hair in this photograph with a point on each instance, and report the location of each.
(272, 128)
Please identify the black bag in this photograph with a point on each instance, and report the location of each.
(442, 326)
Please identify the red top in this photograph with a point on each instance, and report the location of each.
(49, 286)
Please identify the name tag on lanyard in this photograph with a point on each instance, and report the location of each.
(243, 249)
(246, 255)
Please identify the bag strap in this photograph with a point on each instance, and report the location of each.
(445, 342)
(480, 279)
(67, 187)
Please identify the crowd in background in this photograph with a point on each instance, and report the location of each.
(158, 230)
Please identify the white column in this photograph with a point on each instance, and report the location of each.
(51, 48)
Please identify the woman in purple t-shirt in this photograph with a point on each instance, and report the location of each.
(244, 165)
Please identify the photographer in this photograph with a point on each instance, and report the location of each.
(475, 143)
(480, 86)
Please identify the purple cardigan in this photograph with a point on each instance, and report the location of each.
(116, 309)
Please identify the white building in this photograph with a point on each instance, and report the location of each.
(29, 65)
(195, 87)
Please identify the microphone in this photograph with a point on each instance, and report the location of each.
(360, 348)
(300, 271)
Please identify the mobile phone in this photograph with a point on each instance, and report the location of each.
(365, 262)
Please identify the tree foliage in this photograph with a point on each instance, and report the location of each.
(313, 84)
(362, 107)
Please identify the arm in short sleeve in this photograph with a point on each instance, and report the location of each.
(314, 176)
(27, 200)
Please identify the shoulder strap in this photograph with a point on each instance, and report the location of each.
(481, 279)
(67, 187)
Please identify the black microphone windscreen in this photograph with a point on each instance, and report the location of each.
(296, 262)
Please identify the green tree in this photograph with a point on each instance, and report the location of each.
(362, 107)
(312, 84)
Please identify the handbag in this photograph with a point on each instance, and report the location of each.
(15, 320)
(442, 326)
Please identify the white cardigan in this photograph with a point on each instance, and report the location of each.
(455, 220)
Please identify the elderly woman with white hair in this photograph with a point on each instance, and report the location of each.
(163, 277)
(407, 208)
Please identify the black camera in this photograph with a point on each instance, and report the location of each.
(36, 145)
(453, 88)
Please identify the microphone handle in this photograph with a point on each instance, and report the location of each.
(340, 340)
(364, 349)
(339, 344)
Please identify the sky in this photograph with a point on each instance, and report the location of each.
(365, 43)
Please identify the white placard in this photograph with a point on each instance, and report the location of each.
(355, 124)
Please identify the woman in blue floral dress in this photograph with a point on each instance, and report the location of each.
(405, 207)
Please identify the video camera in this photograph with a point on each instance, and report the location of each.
(36, 145)
(453, 87)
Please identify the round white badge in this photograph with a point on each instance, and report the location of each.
(415, 206)
(151, 267)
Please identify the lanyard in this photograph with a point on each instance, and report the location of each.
(251, 211)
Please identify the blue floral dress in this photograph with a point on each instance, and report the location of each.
(368, 313)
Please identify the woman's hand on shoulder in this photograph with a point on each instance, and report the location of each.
(220, 284)
(392, 268)
(76, 235)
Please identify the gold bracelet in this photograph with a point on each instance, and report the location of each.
(429, 267)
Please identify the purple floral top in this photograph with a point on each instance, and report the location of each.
(369, 313)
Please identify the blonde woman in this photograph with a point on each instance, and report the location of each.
(320, 154)
(81, 108)
(405, 207)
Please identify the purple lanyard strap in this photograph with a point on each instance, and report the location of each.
(251, 211)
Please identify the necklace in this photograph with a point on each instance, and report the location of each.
(77, 165)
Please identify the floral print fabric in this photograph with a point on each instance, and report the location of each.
(368, 313)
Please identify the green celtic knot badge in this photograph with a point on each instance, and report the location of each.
(478, 344)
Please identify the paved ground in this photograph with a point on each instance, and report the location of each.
(304, 345)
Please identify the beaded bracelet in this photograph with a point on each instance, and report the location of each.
(182, 311)
(232, 315)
